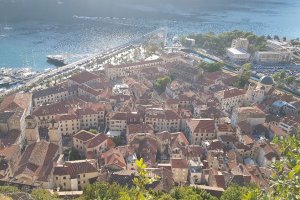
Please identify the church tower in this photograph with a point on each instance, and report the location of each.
(54, 134)
(31, 131)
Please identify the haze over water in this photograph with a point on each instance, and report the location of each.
(80, 27)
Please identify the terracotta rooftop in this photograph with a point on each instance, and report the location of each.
(75, 168)
(224, 127)
(84, 77)
(139, 128)
(245, 127)
(10, 138)
(62, 107)
(252, 112)
(179, 163)
(114, 157)
(48, 91)
(84, 135)
(66, 117)
(232, 93)
(97, 140)
(167, 115)
(125, 116)
(39, 155)
(202, 125)
(14, 101)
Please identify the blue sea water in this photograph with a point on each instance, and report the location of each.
(40, 28)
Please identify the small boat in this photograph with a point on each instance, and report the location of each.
(57, 60)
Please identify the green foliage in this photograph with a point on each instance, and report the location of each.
(280, 78)
(244, 76)
(234, 192)
(161, 84)
(117, 140)
(142, 180)
(8, 189)
(166, 197)
(190, 193)
(289, 80)
(285, 181)
(217, 44)
(1, 99)
(41, 194)
(92, 130)
(105, 191)
(211, 67)
(150, 49)
(74, 155)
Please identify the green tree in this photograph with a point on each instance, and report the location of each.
(142, 180)
(234, 192)
(104, 191)
(282, 74)
(166, 197)
(117, 140)
(211, 67)
(161, 84)
(285, 181)
(289, 80)
(218, 44)
(41, 194)
(74, 155)
(244, 76)
(8, 189)
(92, 130)
(190, 193)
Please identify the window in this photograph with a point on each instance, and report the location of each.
(64, 177)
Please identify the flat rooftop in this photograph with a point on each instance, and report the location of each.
(237, 51)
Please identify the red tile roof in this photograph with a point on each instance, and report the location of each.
(168, 115)
(233, 93)
(202, 125)
(84, 77)
(179, 163)
(75, 168)
(139, 128)
(14, 101)
(66, 117)
(114, 157)
(97, 140)
(84, 135)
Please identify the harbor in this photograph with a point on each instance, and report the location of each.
(25, 78)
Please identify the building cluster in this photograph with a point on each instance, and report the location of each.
(201, 131)
(276, 52)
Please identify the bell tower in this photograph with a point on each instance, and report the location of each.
(31, 131)
(54, 134)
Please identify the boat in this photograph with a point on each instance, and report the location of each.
(57, 60)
